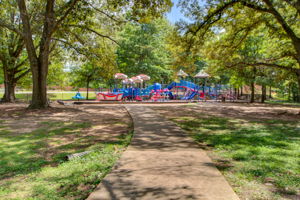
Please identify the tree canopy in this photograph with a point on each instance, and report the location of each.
(237, 41)
(143, 49)
(220, 31)
(44, 23)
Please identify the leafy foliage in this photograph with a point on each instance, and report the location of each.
(143, 50)
(225, 32)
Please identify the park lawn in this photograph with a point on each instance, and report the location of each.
(54, 96)
(68, 96)
(33, 164)
(259, 158)
(283, 102)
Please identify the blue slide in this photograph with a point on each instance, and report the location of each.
(78, 96)
(191, 96)
(173, 84)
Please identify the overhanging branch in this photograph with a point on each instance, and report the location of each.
(71, 3)
(93, 31)
(78, 50)
(268, 65)
(10, 27)
(22, 75)
(107, 15)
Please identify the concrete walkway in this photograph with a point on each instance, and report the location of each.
(162, 163)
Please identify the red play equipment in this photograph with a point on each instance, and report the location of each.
(109, 97)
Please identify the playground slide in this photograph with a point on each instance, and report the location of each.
(173, 84)
(190, 96)
(183, 84)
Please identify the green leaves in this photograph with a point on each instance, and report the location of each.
(237, 36)
(143, 49)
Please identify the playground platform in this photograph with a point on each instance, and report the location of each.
(138, 102)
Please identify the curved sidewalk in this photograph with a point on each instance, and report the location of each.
(162, 163)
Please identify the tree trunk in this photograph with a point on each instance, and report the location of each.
(263, 93)
(9, 84)
(39, 89)
(252, 97)
(242, 91)
(87, 88)
(9, 93)
(38, 62)
(289, 92)
(294, 96)
(298, 78)
(270, 92)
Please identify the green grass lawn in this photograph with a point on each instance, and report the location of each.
(68, 96)
(283, 102)
(29, 170)
(55, 96)
(261, 159)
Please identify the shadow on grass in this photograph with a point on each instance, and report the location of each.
(256, 150)
(25, 152)
(74, 179)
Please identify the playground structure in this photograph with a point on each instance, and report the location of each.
(133, 90)
(109, 96)
(78, 96)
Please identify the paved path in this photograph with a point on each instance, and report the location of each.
(162, 163)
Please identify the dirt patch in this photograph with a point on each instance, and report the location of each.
(87, 125)
(244, 111)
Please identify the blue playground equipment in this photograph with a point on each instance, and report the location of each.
(190, 95)
(78, 96)
(132, 94)
(182, 90)
(191, 89)
(184, 84)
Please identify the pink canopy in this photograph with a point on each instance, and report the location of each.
(137, 79)
(127, 81)
(144, 77)
(120, 76)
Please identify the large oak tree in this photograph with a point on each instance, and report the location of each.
(40, 30)
(239, 19)
(13, 58)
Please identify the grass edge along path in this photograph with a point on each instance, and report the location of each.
(258, 158)
(74, 179)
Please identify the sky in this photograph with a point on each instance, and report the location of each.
(175, 14)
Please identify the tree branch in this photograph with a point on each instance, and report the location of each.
(71, 3)
(282, 22)
(295, 4)
(255, 7)
(19, 48)
(22, 75)
(268, 65)
(107, 15)
(10, 27)
(93, 31)
(27, 33)
(209, 18)
(21, 63)
(78, 50)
